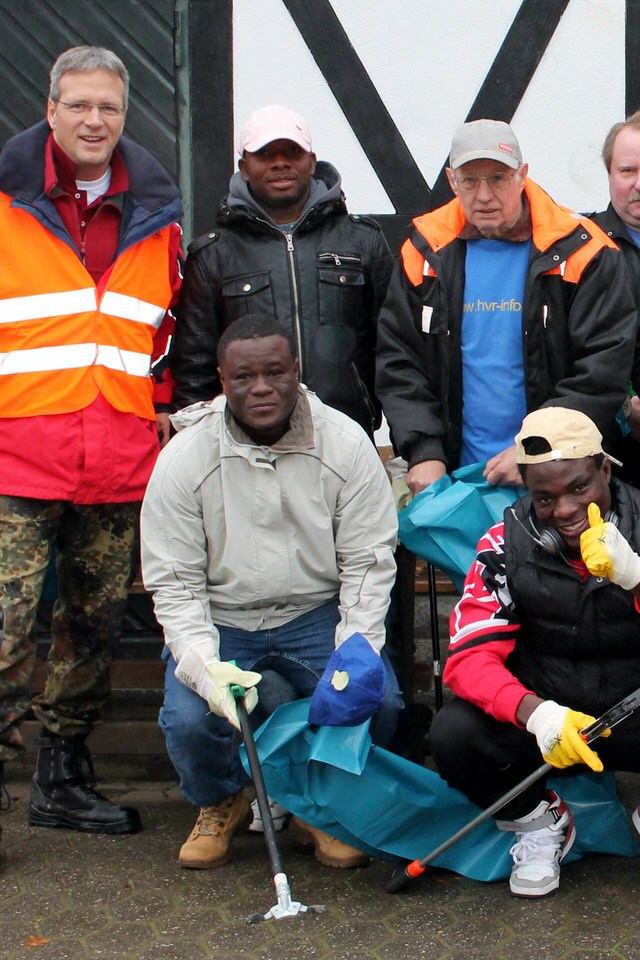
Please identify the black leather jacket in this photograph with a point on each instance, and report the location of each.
(615, 228)
(327, 277)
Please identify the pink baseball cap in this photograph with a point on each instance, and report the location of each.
(273, 123)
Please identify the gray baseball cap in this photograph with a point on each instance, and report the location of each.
(485, 140)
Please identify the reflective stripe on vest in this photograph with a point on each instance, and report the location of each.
(72, 357)
(129, 308)
(16, 309)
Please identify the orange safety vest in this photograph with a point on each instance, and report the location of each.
(63, 341)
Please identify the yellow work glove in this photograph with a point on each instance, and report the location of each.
(557, 730)
(219, 696)
(606, 553)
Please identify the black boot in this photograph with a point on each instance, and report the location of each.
(63, 795)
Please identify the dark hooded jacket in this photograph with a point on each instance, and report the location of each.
(326, 277)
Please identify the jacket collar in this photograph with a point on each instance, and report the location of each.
(612, 224)
(325, 195)
(22, 165)
(299, 436)
(60, 172)
(550, 222)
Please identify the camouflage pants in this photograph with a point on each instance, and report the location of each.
(94, 546)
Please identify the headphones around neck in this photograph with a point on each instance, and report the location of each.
(548, 538)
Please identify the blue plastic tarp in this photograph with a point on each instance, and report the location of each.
(335, 779)
(445, 521)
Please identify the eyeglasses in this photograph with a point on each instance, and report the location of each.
(81, 109)
(495, 181)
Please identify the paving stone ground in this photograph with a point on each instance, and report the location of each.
(68, 896)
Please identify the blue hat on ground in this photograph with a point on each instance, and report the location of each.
(352, 686)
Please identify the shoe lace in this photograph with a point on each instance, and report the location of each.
(540, 846)
(212, 819)
(84, 773)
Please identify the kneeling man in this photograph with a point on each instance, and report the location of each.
(268, 532)
(545, 638)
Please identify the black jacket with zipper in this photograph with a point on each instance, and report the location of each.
(579, 327)
(625, 447)
(326, 277)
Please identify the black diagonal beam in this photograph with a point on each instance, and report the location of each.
(514, 66)
(632, 58)
(209, 106)
(361, 104)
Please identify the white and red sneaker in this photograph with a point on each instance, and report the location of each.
(544, 838)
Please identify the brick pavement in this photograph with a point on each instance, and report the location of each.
(124, 898)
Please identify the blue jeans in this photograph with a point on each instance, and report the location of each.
(203, 747)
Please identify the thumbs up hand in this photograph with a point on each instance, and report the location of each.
(606, 553)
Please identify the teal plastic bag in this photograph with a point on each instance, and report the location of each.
(334, 778)
(444, 523)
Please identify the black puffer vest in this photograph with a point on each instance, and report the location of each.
(579, 643)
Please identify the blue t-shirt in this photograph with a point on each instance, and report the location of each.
(493, 393)
(635, 236)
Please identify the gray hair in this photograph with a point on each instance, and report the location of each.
(83, 60)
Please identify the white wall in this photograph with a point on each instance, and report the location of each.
(428, 59)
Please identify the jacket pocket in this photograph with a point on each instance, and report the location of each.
(341, 289)
(249, 293)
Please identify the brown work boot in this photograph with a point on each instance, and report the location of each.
(208, 843)
(328, 850)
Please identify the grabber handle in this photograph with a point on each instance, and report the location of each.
(401, 876)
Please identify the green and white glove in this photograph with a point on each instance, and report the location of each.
(220, 698)
(606, 553)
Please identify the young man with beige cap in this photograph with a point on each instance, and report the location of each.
(502, 301)
(544, 639)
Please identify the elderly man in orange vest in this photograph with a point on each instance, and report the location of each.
(89, 267)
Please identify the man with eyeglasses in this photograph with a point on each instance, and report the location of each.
(503, 302)
(89, 267)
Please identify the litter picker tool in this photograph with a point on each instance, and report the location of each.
(285, 907)
(620, 711)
